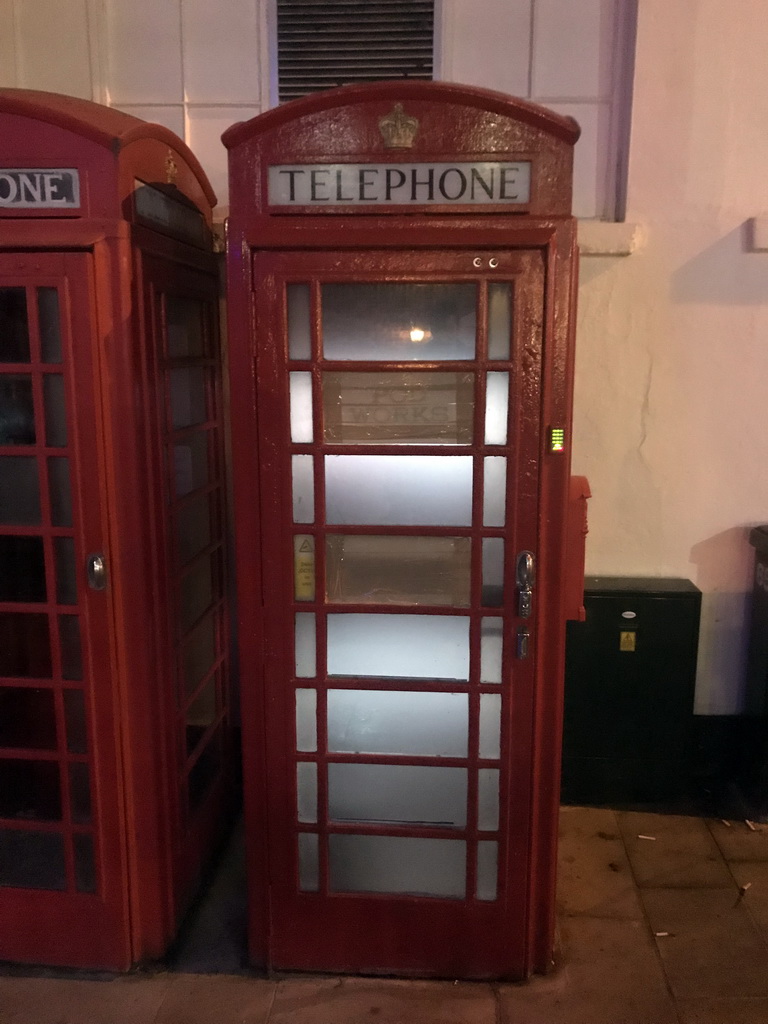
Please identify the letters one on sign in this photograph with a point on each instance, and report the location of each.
(41, 187)
(399, 184)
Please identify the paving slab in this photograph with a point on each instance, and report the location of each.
(381, 1001)
(671, 850)
(712, 948)
(216, 999)
(610, 974)
(125, 1000)
(723, 1011)
(594, 875)
(738, 841)
(754, 876)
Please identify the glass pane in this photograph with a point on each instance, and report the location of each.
(490, 725)
(304, 567)
(29, 790)
(25, 645)
(184, 327)
(85, 864)
(17, 414)
(398, 408)
(499, 320)
(398, 722)
(74, 715)
(55, 410)
(193, 528)
(399, 490)
(60, 491)
(299, 325)
(71, 652)
(66, 579)
(487, 870)
(309, 863)
(14, 328)
(19, 491)
(306, 790)
(398, 570)
(399, 646)
(196, 593)
(50, 324)
(306, 657)
(204, 771)
(494, 490)
(80, 793)
(491, 649)
(22, 569)
(190, 463)
(493, 572)
(398, 322)
(301, 407)
(398, 794)
(188, 396)
(199, 653)
(496, 408)
(488, 799)
(306, 720)
(418, 867)
(32, 860)
(201, 714)
(303, 489)
(27, 718)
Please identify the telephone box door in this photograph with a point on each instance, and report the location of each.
(399, 450)
(61, 847)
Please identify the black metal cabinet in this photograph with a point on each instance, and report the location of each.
(629, 690)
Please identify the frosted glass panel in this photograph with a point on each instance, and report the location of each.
(490, 725)
(306, 720)
(303, 489)
(299, 330)
(494, 490)
(306, 659)
(419, 867)
(491, 649)
(309, 862)
(399, 646)
(301, 407)
(496, 408)
(398, 322)
(398, 722)
(398, 794)
(493, 572)
(398, 408)
(499, 320)
(398, 570)
(487, 870)
(306, 790)
(488, 799)
(399, 490)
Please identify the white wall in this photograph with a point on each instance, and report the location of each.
(672, 361)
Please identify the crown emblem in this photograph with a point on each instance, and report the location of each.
(398, 129)
(171, 170)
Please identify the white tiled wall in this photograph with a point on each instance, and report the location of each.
(198, 67)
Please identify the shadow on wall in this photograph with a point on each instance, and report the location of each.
(728, 273)
(724, 564)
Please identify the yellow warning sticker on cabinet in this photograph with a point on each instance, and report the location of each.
(304, 567)
(627, 640)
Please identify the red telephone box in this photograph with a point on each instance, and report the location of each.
(114, 691)
(401, 285)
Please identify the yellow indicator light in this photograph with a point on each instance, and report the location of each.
(417, 334)
(557, 439)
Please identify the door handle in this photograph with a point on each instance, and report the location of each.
(525, 576)
(96, 569)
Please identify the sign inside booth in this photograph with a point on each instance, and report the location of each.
(422, 184)
(44, 188)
